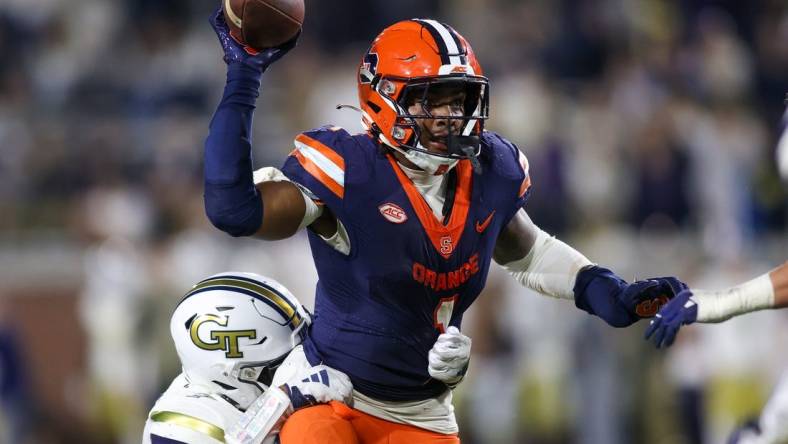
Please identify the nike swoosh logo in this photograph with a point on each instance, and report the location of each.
(480, 227)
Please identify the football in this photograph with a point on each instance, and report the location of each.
(263, 24)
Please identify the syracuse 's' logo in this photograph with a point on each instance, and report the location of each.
(368, 68)
(446, 245)
(226, 340)
(650, 307)
(393, 213)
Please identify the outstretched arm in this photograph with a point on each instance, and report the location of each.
(769, 290)
(551, 267)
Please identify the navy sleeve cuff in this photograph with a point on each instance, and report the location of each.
(597, 291)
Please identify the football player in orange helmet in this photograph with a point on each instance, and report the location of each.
(422, 93)
(404, 221)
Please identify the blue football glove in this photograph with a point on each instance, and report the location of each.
(318, 384)
(643, 299)
(601, 292)
(682, 310)
(235, 52)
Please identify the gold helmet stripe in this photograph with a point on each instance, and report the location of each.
(273, 298)
(189, 422)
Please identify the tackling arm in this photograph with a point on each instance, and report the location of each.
(267, 414)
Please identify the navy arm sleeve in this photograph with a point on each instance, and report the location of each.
(232, 202)
(597, 291)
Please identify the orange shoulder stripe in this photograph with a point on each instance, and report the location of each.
(323, 149)
(527, 180)
(525, 186)
(312, 168)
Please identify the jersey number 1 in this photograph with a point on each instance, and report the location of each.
(442, 314)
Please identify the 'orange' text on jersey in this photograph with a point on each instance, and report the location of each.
(446, 281)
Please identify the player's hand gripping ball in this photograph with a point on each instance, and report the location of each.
(262, 24)
(237, 53)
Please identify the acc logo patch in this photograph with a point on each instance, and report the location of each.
(393, 213)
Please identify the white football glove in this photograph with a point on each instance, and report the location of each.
(316, 385)
(449, 356)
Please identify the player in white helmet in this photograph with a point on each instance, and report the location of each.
(233, 333)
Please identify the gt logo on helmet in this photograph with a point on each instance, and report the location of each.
(225, 340)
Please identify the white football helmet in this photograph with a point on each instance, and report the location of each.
(232, 330)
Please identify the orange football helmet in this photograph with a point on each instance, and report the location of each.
(403, 63)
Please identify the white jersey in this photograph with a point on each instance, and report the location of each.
(774, 418)
(187, 413)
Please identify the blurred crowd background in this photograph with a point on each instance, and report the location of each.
(650, 127)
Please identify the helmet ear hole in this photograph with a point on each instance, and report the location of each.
(373, 106)
(387, 87)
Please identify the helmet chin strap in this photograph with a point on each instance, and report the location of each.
(467, 146)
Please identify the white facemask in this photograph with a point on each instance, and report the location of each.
(430, 164)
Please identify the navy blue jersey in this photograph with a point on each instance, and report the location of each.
(408, 275)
